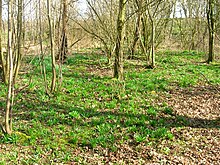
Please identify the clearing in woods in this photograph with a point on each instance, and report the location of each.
(169, 114)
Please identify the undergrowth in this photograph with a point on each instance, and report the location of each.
(98, 111)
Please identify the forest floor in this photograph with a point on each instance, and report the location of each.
(166, 115)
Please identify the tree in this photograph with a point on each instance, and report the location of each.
(158, 14)
(152, 52)
(53, 81)
(3, 62)
(9, 102)
(191, 13)
(64, 43)
(119, 59)
(43, 69)
(19, 35)
(211, 28)
(137, 27)
(99, 23)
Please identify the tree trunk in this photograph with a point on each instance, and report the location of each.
(152, 53)
(53, 82)
(2, 59)
(43, 70)
(144, 34)
(64, 44)
(137, 29)
(118, 65)
(153, 45)
(211, 27)
(8, 116)
(19, 33)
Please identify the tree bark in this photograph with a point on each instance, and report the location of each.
(8, 116)
(211, 27)
(53, 81)
(43, 70)
(19, 34)
(2, 59)
(152, 52)
(137, 28)
(118, 65)
(64, 43)
(153, 45)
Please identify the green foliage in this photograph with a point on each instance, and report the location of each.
(152, 111)
(11, 139)
(93, 110)
(74, 114)
(168, 110)
(16, 137)
(159, 133)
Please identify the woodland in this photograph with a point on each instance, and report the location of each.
(110, 82)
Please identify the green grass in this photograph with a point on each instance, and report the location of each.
(93, 110)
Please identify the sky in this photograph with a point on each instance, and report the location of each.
(82, 5)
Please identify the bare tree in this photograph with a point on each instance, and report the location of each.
(9, 101)
(139, 4)
(211, 27)
(42, 63)
(119, 59)
(100, 24)
(19, 35)
(158, 14)
(2, 58)
(53, 81)
(64, 43)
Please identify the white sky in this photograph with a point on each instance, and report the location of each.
(82, 5)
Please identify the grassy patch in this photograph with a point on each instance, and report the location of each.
(95, 111)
